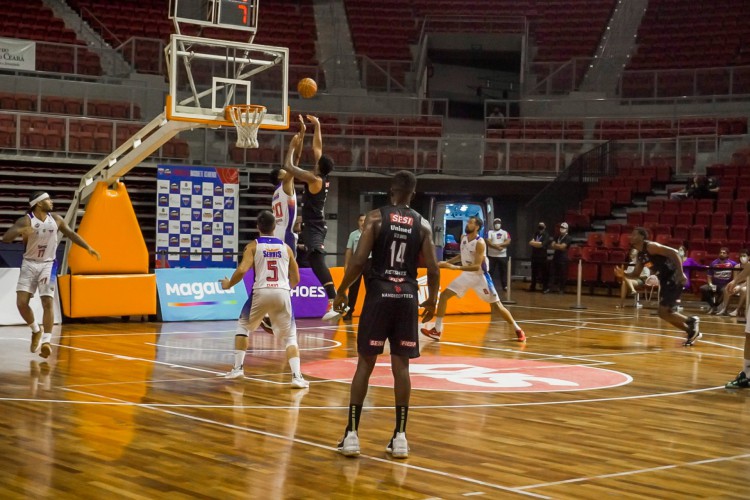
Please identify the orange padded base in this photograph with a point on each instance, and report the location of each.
(107, 295)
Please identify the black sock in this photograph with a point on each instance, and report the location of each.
(401, 413)
(354, 413)
(330, 291)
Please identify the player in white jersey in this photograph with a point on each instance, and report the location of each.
(276, 273)
(475, 276)
(39, 230)
(284, 202)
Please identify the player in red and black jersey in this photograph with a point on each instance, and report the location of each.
(397, 236)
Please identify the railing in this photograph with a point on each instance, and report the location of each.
(384, 75)
(569, 188)
(556, 78)
(698, 83)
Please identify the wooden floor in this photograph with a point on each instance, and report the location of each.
(600, 402)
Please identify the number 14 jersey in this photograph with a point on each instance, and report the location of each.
(397, 246)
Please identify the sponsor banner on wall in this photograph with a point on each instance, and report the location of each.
(308, 298)
(17, 54)
(196, 294)
(196, 216)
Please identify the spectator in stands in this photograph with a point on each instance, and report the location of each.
(719, 274)
(539, 266)
(498, 241)
(698, 187)
(496, 119)
(628, 287)
(739, 290)
(559, 267)
(688, 263)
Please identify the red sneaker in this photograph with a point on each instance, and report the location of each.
(521, 337)
(432, 333)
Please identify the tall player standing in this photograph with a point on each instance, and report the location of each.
(397, 236)
(39, 228)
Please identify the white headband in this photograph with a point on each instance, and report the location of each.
(39, 198)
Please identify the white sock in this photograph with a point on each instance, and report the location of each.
(46, 338)
(239, 359)
(439, 324)
(747, 367)
(515, 325)
(294, 365)
(34, 326)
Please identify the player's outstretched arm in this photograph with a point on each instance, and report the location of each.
(22, 227)
(248, 259)
(673, 255)
(359, 259)
(433, 273)
(75, 237)
(317, 138)
(301, 135)
(294, 277)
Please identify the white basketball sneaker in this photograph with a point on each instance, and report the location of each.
(398, 447)
(332, 314)
(349, 446)
(235, 373)
(299, 382)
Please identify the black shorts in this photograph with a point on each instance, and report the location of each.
(669, 293)
(390, 311)
(314, 236)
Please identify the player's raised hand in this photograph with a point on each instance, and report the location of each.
(302, 127)
(314, 120)
(429, 310)
(225, 285)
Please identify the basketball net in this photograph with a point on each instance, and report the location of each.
(247, 119)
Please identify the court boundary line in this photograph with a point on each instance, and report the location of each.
(637, 471)
(332, 449)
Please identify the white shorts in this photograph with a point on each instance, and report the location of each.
(277, 304)
(41, 275)
(480, 282)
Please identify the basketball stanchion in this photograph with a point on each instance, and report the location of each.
(579, 284)
(508, 300)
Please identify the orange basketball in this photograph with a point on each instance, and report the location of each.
(307, 88)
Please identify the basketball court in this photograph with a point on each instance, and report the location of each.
(597, 403)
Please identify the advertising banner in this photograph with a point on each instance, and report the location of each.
(308, 298)
(196, 216)
(195, 294)
(17, 54)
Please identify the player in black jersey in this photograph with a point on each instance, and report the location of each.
(314, 227)
(397, 236)
(665, 262)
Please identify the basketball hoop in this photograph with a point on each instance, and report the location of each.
(247, 119)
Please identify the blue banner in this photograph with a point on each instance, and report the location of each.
(196, 294)
(196, 216)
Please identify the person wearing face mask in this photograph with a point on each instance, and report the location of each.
(688, 265)
(498, 241)
(559, 269)
(739, 291)
(539, 244)
(719, 274)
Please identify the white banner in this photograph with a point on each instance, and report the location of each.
(17, 54)
(9, 314)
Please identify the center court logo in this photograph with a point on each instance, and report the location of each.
(468, 374)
